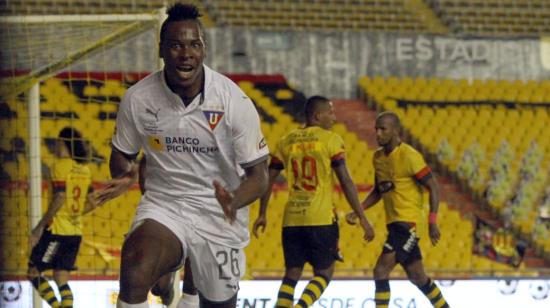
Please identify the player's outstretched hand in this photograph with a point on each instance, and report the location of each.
(112, 189)
(260, 222)
(368, 229)
(351, 218)
(225, 199)
(435, 235)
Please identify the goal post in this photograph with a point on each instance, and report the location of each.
(57, 70)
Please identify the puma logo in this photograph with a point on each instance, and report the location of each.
(155, 114)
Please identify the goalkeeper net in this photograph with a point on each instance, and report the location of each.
(83, 64)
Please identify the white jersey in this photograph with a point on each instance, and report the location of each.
(187, 148)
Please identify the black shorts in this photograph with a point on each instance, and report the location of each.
(56, 252)
(402, 239)
(317, 245)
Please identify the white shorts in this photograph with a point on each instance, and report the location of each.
(216, 268)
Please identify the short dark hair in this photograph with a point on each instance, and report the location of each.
(181, 12)
(392, 115)
(312, 104)
(74, 143)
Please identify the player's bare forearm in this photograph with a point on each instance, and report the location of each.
(372, 198)
(349, 189)
(141, 174)
(431, 185)
(433, 229)
(53, 208)
(121, 165)
(124, 173)
(91, 204)
(253, 187)
(264, 199)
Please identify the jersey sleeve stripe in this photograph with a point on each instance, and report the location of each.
(58, 186)
(276, 163)
(339, 156)
(423, 173)
(337, 163)
(125, 153)
(254, 162)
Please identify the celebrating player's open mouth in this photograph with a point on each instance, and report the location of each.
(185, 71)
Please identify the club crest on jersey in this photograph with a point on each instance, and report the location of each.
(213, 117)
(155, 143)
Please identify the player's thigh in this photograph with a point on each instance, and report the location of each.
(384, 265)
(415, 272)
(152, 247)
(42, 254)
(217, 269)
(164, 284)
(65, 258)
(61, 277)
(403, 241)
(323, 246)
(294, 250)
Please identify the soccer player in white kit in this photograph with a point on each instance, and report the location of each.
(206, 160)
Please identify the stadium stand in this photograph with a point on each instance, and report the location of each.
(67, 7)
(495, 17)
(279, 106)
(387, 15)
(472, 17)
(491, 134)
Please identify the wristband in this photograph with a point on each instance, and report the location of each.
(432, 218)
